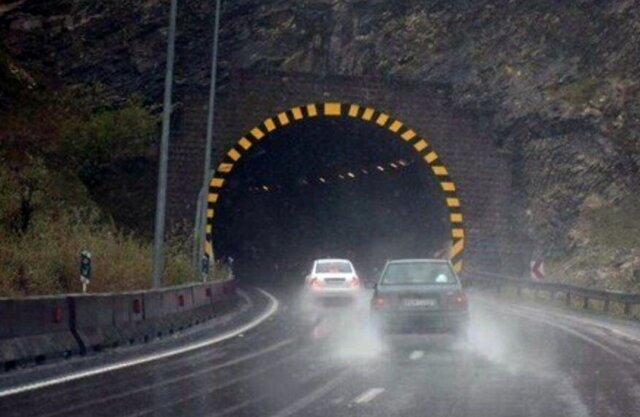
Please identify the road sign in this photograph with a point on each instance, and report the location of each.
(537, 269)
(85, 269)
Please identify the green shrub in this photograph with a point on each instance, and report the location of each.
(51, 154)
(107, 135)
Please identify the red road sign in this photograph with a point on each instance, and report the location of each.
(537, 270)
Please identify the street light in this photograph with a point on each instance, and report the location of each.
(158, 239)
(201, 208)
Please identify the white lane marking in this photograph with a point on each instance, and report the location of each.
(200, 371)
(416, 354)
(313, 395)
(273, 307)
(368, 395)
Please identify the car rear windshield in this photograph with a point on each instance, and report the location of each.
(333, 267)
(412, 273)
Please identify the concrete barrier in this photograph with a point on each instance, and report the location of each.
(154, 313)
(199, 295)
(37, 329)
(129, 317)
(202, 302)
(95, 324)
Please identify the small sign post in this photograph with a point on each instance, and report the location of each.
(230, 261)
(204, 267)
(85, 269)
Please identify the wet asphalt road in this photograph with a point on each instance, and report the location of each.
(324, 361)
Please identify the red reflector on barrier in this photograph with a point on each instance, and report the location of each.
(181, 300)
(137, 307)
(58, 314)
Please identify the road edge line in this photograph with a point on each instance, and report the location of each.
(542, 317)
(274, 305)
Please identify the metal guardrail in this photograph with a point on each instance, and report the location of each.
(553, 288)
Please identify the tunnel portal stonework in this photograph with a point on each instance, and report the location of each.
(481, 174)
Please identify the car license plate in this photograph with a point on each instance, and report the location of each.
(419, 302)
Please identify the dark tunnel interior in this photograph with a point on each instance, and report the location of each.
(328, 188)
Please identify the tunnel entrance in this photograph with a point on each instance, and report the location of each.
(329, 187)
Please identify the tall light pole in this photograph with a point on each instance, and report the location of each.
(202, 206)
(158, 240)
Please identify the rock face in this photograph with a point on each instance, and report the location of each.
(561, 80)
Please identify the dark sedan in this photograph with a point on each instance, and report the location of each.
(420, 295)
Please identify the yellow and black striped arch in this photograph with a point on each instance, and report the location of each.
(419, 143)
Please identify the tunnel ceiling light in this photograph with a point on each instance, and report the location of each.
(322, 180)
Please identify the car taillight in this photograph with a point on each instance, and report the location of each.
(316, 283)
(458, 300)
(355, 282)
(380, 301)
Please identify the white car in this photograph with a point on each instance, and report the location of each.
(333, 277)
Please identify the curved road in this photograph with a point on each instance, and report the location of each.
(289, 359)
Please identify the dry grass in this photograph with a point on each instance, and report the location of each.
(606, 252)
(45, 260)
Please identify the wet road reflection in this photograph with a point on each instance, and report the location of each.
(329, 359)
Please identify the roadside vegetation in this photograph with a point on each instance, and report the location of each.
(62, 190)
(607, 249)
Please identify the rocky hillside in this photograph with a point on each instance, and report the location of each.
(560, 79)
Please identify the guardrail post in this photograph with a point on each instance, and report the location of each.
(568, 299)
(518, 290)
(585, 303)
(627, 308)
(606, 304)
